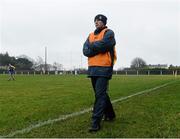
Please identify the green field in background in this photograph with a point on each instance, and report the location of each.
(31, 99)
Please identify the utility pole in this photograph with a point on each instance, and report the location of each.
(45, 68)
(81, 61)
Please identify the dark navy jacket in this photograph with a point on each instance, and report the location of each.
(91, 49)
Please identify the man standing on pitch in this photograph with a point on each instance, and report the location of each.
(100, 50)
(11, 70)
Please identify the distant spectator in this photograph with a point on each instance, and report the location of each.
(11, 70)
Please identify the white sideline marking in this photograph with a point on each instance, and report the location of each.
(64, 117)
(141, 92)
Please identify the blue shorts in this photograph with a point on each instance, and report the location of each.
(11, 72)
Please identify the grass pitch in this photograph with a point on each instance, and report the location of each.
(32, 99)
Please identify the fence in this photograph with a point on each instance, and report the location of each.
(147, 72)
(122, 72)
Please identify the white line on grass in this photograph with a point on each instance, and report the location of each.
(64, 117)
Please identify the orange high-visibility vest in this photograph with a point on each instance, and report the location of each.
(101, 59)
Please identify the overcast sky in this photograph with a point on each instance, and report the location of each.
(149, 29)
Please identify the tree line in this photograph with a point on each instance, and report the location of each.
(139, 64)
(24, 62)
(20, 62)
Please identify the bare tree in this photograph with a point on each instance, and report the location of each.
(57, 66)
(138, 63)
(39, 64)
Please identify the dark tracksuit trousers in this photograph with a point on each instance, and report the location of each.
(102, 104)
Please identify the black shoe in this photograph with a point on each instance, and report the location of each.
(108, 119)
(94, 128)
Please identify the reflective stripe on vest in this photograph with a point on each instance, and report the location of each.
(101, 59)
